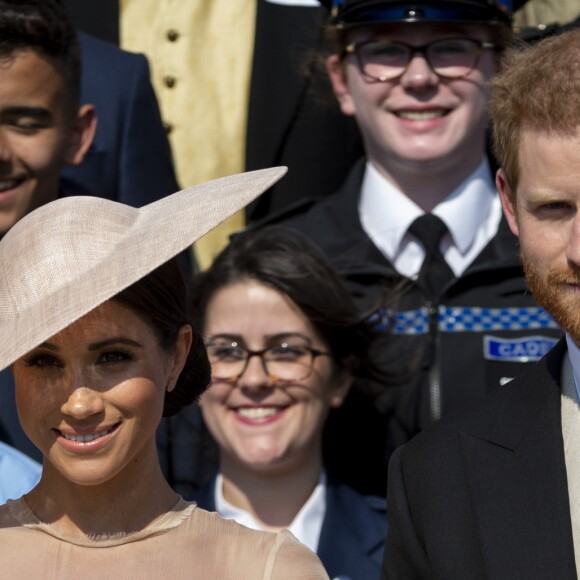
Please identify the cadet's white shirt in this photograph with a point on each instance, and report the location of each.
(472, 213)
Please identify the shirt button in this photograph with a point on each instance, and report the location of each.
(168, 128)
(169, 81)
(172, 35)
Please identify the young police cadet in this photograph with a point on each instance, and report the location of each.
(423, 208)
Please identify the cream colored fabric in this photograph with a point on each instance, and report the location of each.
(571, 437)
(571, 434)
(200, 54)
(537, 12)
(67, 257)
(186, 543)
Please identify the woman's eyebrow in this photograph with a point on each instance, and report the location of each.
(113, 341)
(226, 336)
(48, 346)
(268, 338)
(286, 335)
(97, 345)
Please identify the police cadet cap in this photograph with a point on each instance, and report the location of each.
(347, 13)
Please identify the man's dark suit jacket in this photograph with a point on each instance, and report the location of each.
(352, 535)
(484, 494)
(293, 117)
(129, 160)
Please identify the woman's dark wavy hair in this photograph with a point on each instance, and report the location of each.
(42, 26)
(160, 299)
(285, 260)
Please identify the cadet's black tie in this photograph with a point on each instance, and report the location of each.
(434, 273)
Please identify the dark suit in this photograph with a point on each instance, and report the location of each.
(484, 494)
(293, 117)
(352, 534)
(129, 160)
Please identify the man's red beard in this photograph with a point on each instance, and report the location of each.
(554, 290)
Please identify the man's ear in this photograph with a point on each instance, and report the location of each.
(337, 74)
(83, 133)
(507, 200)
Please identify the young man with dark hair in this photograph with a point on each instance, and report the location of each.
(41, 125)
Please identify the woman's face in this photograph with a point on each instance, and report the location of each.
(91, 397)
(418, 120)
(257, 421)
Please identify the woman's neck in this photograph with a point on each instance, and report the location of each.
(123, 504)
(428, 183)
(272, 498)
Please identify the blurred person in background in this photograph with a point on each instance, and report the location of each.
(236, 91)
(284, 341)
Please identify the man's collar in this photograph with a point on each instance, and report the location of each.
(571, 390)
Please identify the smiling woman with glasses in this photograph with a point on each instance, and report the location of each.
(284, 341)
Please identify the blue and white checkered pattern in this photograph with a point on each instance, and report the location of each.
(463, 319)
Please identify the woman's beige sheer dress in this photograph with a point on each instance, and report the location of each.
(188, 542)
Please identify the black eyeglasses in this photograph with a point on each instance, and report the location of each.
(385, 60)
(284, 362)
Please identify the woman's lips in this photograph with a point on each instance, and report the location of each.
(8, 186)
(89, 437)
(421, 115)
(259, 415)
(74, 441)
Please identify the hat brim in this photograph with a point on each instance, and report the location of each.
(66, 258)
(376, 12)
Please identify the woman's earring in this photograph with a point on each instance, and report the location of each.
(171, 385)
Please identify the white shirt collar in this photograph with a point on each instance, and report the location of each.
(574, 354)
(386, 212)
(306, 525)
(389, 211)
(472, 213)
(463, 209)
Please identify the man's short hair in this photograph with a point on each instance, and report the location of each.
(538, 90)
(43, 27)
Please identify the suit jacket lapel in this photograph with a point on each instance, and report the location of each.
(516, 471)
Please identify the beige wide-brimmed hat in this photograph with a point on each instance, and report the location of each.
(67, 257)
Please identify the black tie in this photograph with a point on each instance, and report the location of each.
(435, 272)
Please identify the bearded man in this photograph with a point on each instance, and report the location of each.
(495, 492)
